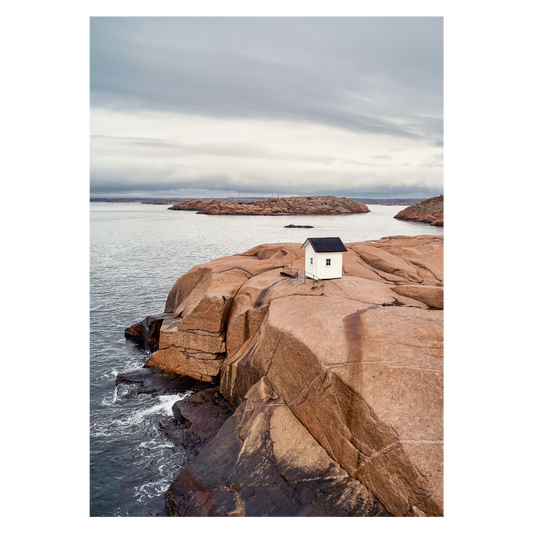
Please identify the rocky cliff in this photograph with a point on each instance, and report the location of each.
(302, 205)
(430, 211)
(338, 385)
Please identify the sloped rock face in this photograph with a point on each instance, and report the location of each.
(263, 462)
(342, 362)
(368, 388)
(429, 211)
(357, 361)
(302, 205)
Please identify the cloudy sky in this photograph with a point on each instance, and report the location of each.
(350, 106)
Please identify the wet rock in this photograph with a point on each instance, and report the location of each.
(153, 380)
(146, 333)
(197, 419)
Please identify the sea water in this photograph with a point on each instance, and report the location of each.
(137, 253)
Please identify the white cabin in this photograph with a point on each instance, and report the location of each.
(323, 257)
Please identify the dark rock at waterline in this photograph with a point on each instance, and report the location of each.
(197, 419)
(263, 462)
(296, 226)
(146, 333)
(153, 380)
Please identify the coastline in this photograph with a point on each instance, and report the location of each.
(227, 319)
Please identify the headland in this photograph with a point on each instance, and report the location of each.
(313, 399)
(430, 211)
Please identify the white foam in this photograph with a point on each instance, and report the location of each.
(165, 404)
(150, 445)
(134, 419)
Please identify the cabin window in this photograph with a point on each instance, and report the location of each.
(328, 262)
(310, 260)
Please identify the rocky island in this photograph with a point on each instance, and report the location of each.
(298, 205)
(429, 211)
(298, 226)
(313, 399)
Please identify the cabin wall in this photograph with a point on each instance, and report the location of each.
(319, 268)
(329, 272)
(310, 253)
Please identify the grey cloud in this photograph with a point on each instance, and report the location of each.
(167, 180)
(236, 150)
(146, 142)
(218, 149)
(370, 75)
(435, 160)
(393, 191)
(241, 151)
(376, 75)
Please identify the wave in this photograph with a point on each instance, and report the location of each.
(109, 424)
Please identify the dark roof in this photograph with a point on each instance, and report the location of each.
(326, 244)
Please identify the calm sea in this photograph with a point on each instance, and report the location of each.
(137, 253)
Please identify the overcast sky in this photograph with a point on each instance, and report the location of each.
(258, 106)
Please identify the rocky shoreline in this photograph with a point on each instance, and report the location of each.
(430, 211)
(301, 205)
(309, 400)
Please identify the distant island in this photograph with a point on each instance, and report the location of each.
(121, 201)
(388, 201)
(299, 205)
(173, 201)
(429, 211)
(253, 199)
(169, 201)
